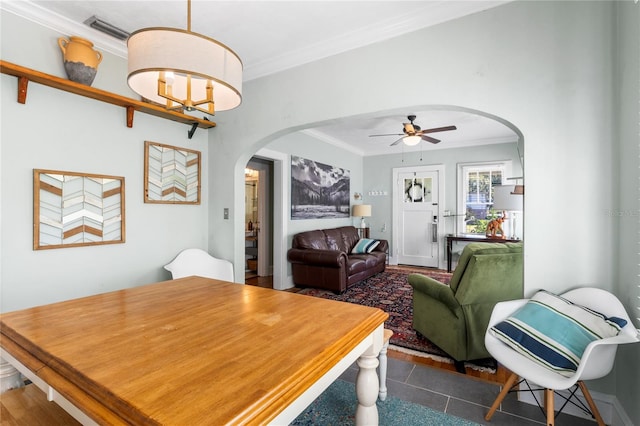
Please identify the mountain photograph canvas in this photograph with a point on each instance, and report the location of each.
(318, 191)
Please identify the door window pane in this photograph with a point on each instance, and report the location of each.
(418, 190)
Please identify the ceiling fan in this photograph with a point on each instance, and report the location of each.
(413, 134)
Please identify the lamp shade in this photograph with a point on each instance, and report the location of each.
(503, 199)
(152, 50)
(362, 210)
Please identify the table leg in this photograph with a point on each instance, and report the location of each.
(383, 371)
(449, 250)
(367, 387)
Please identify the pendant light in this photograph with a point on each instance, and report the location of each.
(183, 69)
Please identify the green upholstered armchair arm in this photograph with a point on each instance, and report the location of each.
(436, 290)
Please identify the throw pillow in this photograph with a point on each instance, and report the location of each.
(554, 332)
(365, 245)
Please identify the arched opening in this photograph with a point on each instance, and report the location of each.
(496, 131)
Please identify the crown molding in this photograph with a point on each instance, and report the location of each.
(433, 12)
(65, 26)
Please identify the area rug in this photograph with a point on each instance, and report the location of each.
(391, 292)
(336, 407)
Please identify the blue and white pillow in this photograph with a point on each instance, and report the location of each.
(554, 332)
(365, 245)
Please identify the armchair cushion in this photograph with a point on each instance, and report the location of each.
(555, 332)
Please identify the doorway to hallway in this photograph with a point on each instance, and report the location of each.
(258, 224)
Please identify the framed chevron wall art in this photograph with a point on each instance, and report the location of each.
(77, 209)
(171, 174)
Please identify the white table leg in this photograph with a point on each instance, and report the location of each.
(383, 371)
(367, 386)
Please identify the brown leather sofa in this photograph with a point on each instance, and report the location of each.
(323, 259)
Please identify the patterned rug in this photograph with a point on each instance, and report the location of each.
(336, 407)
(391, 292)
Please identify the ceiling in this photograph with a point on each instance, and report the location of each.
(271, 36)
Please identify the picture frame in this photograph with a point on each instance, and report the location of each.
(72, 209)
(318, 191)
(172, 175)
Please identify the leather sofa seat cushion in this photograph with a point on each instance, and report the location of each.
(370, 260)
(356, 265)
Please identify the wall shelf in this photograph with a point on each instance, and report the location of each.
(25, 75)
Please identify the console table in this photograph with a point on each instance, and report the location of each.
(477, 238)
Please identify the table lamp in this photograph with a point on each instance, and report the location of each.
(504, 199)
(362, 210)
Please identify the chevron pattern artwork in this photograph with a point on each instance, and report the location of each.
(172, 174)
(74, 209)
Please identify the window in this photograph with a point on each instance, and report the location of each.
(475, 194)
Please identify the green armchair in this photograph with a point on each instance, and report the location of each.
(455, 316)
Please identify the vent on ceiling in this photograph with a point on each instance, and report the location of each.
(107, 28)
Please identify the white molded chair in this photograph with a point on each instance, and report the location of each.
(198, 262)
(597, 360)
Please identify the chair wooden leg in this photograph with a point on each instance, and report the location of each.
(548, 405)
(592, 404)
(505, 390)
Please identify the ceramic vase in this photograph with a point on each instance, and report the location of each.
(80, 59)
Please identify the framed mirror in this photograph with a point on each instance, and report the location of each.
(171, 174)
(77, 209)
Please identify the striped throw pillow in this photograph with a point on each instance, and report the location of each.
(554, 332)
(365, 245)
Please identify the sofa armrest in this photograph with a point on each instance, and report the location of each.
(383, 246)
(434, 289)
(331, 258)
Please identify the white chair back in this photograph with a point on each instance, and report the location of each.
(198, 262)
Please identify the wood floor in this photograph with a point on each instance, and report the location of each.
(499, 377)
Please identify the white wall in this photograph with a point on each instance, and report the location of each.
(61, 131)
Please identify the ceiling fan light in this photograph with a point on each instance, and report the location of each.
(412, 140)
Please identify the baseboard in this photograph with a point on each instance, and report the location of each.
(610, 408)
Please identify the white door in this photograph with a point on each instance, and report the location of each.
(417, 200)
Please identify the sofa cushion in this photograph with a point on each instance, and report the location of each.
(555, 332)
(314, 240)
(342, 238)
(365, 245)
(356, 264)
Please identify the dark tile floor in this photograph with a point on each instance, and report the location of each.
(459, 396)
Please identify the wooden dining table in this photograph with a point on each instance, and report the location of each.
(194, 351)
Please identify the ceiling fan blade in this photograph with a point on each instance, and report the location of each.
(396, 142)
(438, 129)
(430, 139)
(387, 134)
